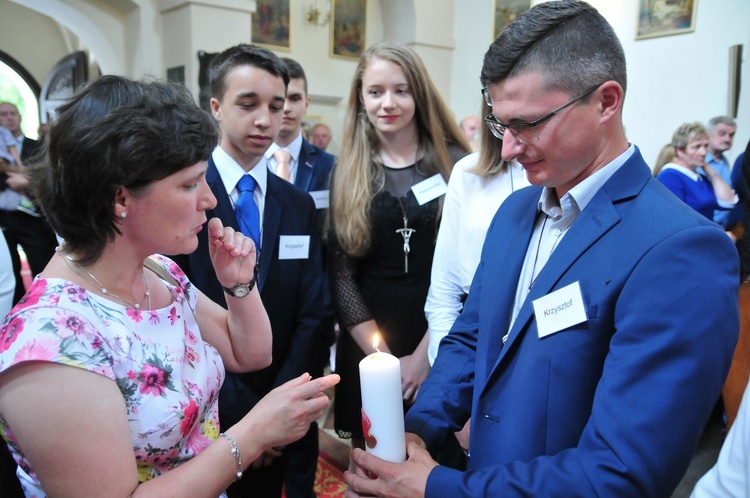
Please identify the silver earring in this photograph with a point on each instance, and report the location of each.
(123, 214)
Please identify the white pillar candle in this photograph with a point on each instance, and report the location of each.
(382, 406)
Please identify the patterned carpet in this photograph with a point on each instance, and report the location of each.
(329, 481)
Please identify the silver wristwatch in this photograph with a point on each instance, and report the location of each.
(241, 290)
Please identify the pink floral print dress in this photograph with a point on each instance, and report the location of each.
(169, 377)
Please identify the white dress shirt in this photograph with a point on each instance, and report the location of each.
(230, 172)
(556, 217)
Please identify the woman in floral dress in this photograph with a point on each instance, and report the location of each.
(110, 367)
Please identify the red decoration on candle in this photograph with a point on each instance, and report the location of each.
(370, 440)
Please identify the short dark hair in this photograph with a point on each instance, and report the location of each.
(295, 70)
(243, 55)
(115, 133)
(567, 40)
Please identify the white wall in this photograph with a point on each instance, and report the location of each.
(671, 79)
(681, 78)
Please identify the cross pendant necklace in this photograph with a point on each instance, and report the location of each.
(406, 234)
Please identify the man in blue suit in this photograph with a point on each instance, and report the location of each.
(248, 86)
(308, 167)
(602, 319)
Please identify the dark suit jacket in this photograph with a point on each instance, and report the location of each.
(314, 168)
(31, 148)
(611, 406)
(291, 290)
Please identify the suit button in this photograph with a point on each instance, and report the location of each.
(491, 418)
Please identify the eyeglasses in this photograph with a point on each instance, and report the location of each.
(523, 131)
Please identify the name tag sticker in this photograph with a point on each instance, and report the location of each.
(559, 310)
(294, 246)
(429, 189)
(321, 198)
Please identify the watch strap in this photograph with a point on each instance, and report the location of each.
(250, 286)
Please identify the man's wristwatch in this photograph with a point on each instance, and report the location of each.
(241, 290)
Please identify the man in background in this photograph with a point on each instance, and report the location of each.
(721, 130)
(24, 225)
(470, 127)
(321, 135)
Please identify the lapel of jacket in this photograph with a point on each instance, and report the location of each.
(305, 166)
(499, 280)
(597, 218)
(271, 221)
(224, 209)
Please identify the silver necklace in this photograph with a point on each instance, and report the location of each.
(536, 256)
(407, 231)
(103, 289)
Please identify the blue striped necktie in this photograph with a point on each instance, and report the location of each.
(248, 216)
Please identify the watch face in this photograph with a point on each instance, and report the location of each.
(241, 291)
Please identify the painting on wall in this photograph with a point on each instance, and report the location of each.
(270, 24)
(506, 12)
(348, 30)
(665, 17)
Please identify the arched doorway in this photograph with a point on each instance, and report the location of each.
(20, 88)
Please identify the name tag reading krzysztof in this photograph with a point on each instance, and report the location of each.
(559, 310)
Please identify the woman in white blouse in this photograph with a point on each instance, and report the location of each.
(480, 182)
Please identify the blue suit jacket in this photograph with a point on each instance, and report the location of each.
(291, 290)
(613, 406)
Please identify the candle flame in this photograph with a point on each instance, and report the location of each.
(376, 341)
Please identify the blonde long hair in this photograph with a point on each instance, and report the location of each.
(490, 161)
(359, 174)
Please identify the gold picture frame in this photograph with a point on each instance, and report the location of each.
(506, 12)
(349, 28)
(665, 17)
(271, 25)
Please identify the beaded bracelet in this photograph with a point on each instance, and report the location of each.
(235, 451)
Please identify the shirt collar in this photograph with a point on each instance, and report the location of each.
(693, 175)
(579, 196)
(710, 159)
(231, 172)
(293, 148)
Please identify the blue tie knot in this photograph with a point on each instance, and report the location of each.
(246, 184)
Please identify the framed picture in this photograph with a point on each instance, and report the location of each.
(506, 12)
(271, 26)
(665, 17)
(349, 26)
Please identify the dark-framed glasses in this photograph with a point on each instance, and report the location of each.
(525, 131)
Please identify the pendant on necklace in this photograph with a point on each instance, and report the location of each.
(406, 234)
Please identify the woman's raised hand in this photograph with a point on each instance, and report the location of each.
(232, 253)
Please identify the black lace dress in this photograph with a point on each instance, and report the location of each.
(377, 286)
